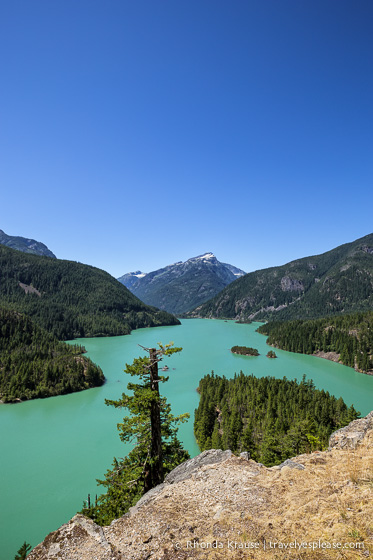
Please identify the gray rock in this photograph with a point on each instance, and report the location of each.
(146, 498)
(350, 436)
(62, 543)
(245, 455)
(182, 472)
(291, 284)
(292, 465)
(190, 467)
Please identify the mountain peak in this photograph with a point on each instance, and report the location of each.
(206, 256)
(338, 281)
(25, 245)
(183, 285)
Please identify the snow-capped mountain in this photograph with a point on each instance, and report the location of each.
(131, 278)
(182, 286)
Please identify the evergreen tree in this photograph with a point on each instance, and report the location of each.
(270, 448)
(23, 551)
(215, 438)
(153, 428)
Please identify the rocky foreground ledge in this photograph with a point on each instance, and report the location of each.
(217, 506)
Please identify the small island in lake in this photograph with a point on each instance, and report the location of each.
(271, 354)
(244, 351)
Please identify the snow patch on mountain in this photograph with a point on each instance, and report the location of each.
(182, 286)
(204, 257)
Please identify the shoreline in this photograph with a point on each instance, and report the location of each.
(331, 356)
(334, 357)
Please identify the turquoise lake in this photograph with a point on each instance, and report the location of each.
(52, 450)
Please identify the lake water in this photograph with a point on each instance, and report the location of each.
(52, 450)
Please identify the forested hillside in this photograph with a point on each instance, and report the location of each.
(349, 336)
(273, 419)
(70, 299)
(34, 364)
(339, 281)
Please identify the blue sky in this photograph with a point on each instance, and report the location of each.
(136, 134)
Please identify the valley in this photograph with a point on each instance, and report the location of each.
(70, 440)
(186, 204)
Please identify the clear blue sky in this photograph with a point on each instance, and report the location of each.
(134, 134)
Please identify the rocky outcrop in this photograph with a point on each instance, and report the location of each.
(353, 434)
(291, 284)
(192, 466)
(368, 249)
(186, 470)
(68, 540)
(332, 356)
(29, 289)
(218, 506)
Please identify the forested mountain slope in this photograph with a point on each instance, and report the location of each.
(335, 282)
(25, 245)
(347, 338)
(70, 299)
(34, 364)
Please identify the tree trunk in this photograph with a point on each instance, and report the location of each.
(156, 459)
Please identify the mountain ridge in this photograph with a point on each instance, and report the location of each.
(334, 282)
(181, 286)
(25, 245)
(71, 299)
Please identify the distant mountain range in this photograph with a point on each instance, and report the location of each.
(182, 286)
(338, 281)
(25, 245)
(71, 299)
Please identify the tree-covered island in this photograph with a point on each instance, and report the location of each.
(244, 351)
